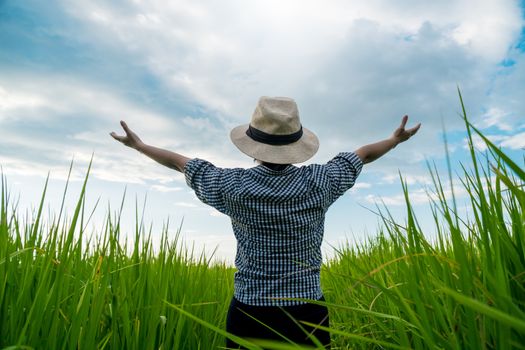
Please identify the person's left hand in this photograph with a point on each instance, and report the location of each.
(131, 139)
(401, 134)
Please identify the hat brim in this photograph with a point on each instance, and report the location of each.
(296, 152)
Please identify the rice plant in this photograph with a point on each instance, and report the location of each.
(466, 290)
(64, 288)
(61, 291)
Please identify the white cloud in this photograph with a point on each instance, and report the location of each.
(427, 194)
(410, 179)
(186, 204)
(516, 141)
(69, 98)
(165, 189)
(360, 185)
(362, 67)
(13, 100)
(201, 124)
(478, 142)
(495, 117)
(225, 61)
(91, 111)
(416, 197)
(13, 167)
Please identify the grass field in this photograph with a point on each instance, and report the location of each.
(64, 288)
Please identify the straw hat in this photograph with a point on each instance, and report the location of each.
(275, 134)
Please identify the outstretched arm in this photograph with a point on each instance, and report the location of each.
(373, 151)
(167, 158)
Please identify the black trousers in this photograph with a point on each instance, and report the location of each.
(282, 319)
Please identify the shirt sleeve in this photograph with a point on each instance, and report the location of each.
(342, 171)
(206, 180)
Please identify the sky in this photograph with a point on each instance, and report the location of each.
(183, 73)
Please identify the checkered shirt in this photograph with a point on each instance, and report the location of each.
(278, 220)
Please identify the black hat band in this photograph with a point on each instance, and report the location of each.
(274, 140)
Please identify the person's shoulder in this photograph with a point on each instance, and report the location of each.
(344, 159)
(312, 171)
(341, 159)
(199, 162)
(208, 168)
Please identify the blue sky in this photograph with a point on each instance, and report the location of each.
(183, 73)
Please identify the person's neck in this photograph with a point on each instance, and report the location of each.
(273, 166)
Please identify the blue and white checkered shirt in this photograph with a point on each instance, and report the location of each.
(278, 220)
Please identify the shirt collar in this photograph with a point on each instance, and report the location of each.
(261, 169)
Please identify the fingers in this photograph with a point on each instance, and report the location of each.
(125, 126)
(121, 138)
(413, 130)
(403, 122)
(116, 137)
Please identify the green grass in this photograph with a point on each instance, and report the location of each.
(64, 288)
(59, 292)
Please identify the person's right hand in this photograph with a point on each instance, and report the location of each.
(401, 134)
(131, 139)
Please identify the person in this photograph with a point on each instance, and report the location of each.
(277, 212)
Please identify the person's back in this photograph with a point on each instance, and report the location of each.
(277, 215)
(278, 219)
